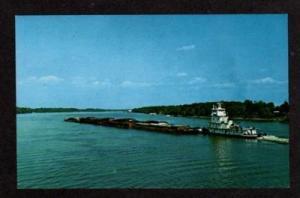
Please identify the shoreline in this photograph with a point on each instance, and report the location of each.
(75, 111)
(281, 119)
(240, 118)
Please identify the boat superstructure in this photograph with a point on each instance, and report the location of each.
(221, 125)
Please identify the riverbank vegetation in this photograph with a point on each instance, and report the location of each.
(251, 110)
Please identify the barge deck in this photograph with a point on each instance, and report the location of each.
(150, 125)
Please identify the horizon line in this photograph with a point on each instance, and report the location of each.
(101, 108)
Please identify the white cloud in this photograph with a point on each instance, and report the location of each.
(126, 83)
(223, 85)
(132, 84)
(197, 80)
(90, 82)
(181, 74)
(49, 79)
(96, 82)
(31, 78)
(106, 83)
(267, 80)
(186, 48)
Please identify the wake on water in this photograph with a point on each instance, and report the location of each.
(273, 138)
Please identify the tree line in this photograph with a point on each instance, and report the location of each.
(44, 110)
(246, 109)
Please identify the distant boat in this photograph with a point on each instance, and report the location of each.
(129, 110)
(221, 125)
(152, 113)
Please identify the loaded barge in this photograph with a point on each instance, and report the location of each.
(129, 123)
(218, 125)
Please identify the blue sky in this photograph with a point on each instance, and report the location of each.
(131, 61)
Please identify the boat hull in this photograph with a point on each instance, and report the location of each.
(234, 135)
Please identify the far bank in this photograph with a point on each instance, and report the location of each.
(247, 110)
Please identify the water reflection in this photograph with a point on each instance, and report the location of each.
(221, 148)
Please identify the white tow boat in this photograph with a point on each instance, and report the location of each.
(221, 125)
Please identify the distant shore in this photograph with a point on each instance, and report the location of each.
(23, 110)
(246, 110)
(281, 119)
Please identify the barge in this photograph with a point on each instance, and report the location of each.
(218, 125)
(129, 123)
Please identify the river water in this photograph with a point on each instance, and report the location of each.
(52, 153)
